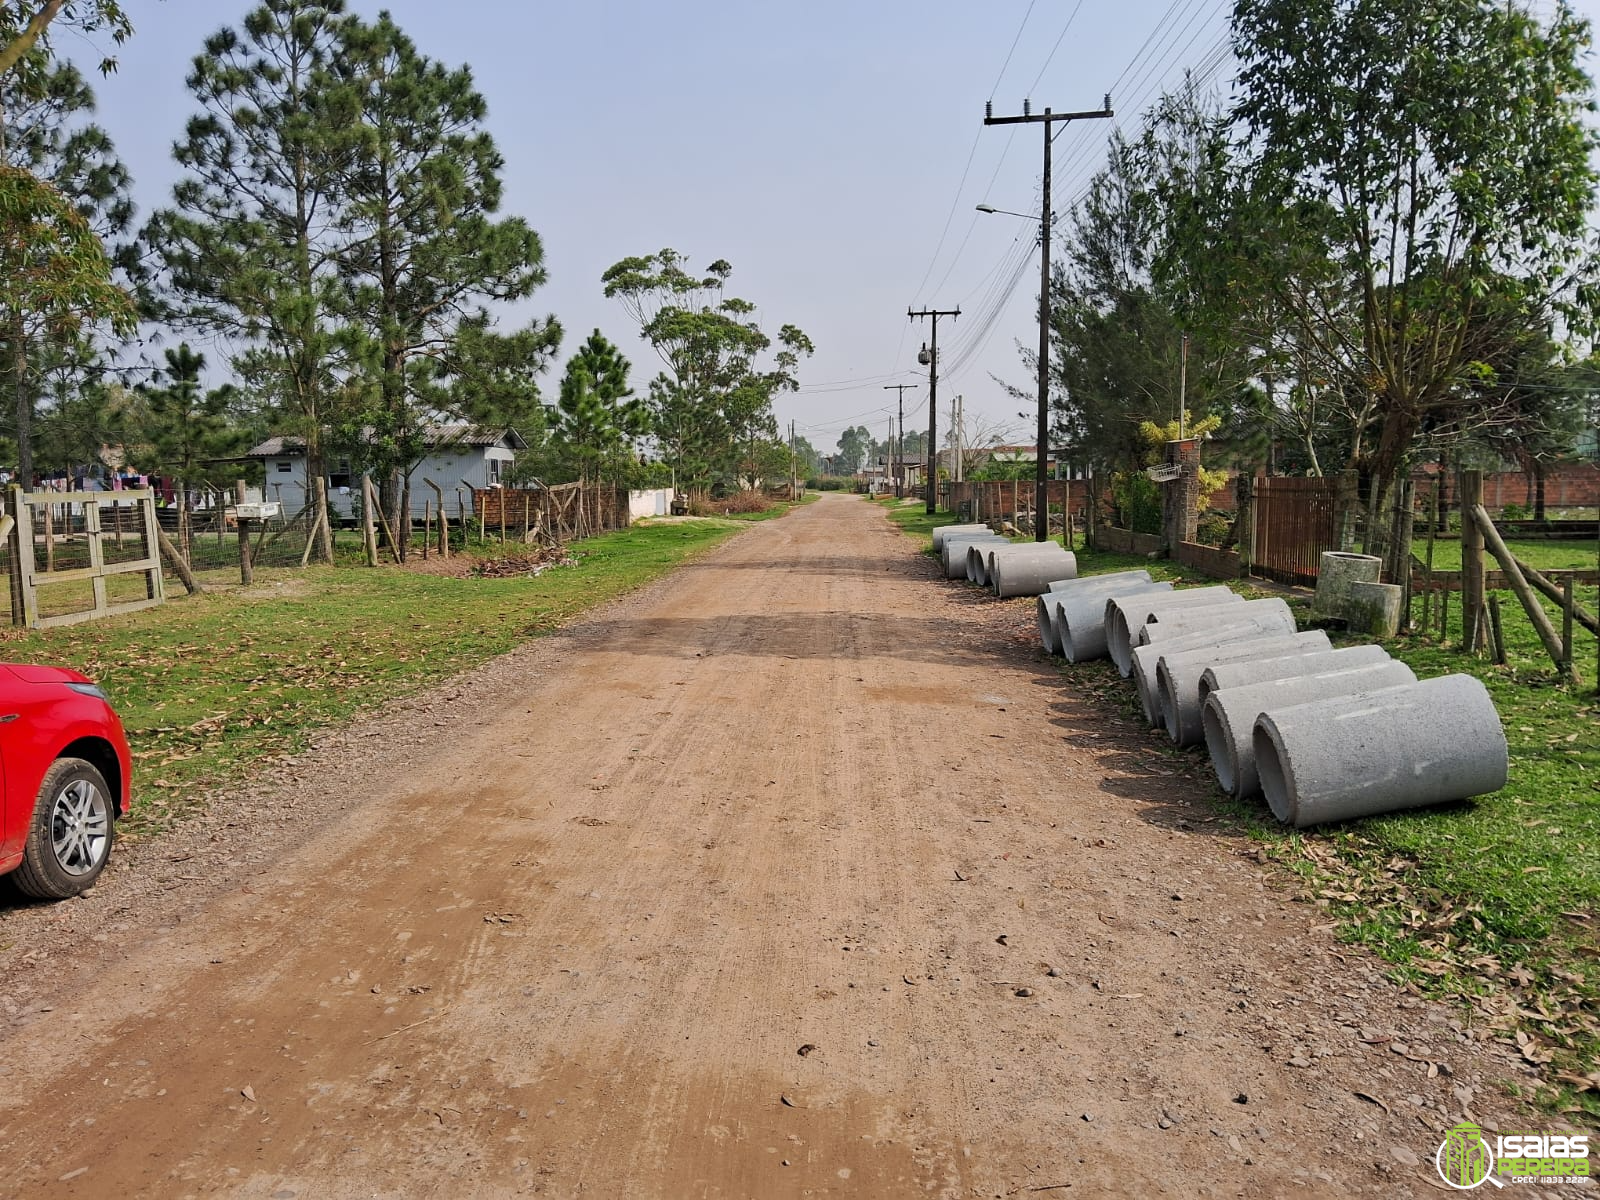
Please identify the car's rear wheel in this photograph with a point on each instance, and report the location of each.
(70, 838)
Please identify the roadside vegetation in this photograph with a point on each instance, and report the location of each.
(1491, 904)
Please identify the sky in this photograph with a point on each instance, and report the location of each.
(833, 152)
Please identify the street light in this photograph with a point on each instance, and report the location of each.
(1041, 451)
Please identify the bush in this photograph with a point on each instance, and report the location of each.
(1138, 501)
(1212, 528)
(828, 483)
(1513, 512)
(734, 502)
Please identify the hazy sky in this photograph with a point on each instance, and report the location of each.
(832, 152)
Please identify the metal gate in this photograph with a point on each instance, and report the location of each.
(1295, 521)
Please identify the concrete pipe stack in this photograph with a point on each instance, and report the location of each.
(948, 531)
(1030, 570)
(1226, 643)
(1080, 620)
(953, 551)
(1089, 585)
(1127, 617)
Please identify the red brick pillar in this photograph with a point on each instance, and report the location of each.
(1180, 499)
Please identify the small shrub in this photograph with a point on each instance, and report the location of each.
(1513, 512)
(1212, 528)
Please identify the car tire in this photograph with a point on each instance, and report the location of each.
(69, 839)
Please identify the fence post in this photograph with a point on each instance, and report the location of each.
(1244, 535)
(18, 548)
(1569, 660)
(369, 530)
(1470, 494)
(247, 572)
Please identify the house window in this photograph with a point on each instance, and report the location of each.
(494, 471)
(339, 473)
(284, 467)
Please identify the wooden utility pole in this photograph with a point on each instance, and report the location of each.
(1042, 447)
(898, 448)
(1470, 494)
(930, 356)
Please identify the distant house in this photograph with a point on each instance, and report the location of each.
(458, 455)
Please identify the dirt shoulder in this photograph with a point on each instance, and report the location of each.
(794, 874)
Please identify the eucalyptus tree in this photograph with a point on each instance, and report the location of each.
(59, 280)
(250, 245)
(423, 254)
(25, 27)
(1437, 151)
(712, 406)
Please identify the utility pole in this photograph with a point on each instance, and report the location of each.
(931, 357)
(794, 493)
(899, 449)
(1041, 487)
(959, 429)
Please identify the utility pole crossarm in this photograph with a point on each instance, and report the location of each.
(1030, 118)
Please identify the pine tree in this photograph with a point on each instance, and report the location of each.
(247, 247)
(597, 416)
(184, 428)
(424, 253)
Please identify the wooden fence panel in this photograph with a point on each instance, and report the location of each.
(1295, 521)
(73, 530)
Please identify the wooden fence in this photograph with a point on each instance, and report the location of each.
(79, 556)
(1295, 520)
(560, 513)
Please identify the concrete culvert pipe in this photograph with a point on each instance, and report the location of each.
(1223, 637)
(954, 552)
(1269, 616)
(1016, 575)
(1336, 571)
(1124, 621)
(1402, 747)
(977, 563)
(1081, 620)
(1178, 676)
(1017, 552)
(1228, 717)
(1264, 670)
(945, 531)
(1089, 585)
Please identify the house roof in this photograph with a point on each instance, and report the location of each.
(458, 434)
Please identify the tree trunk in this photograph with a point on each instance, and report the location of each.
(1538, 491)
(24, 402)
(317, 498)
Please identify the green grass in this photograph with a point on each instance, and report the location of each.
(1540, 553)
(209, 687)
(1491, 904)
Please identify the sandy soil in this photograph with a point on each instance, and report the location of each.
(794, 875)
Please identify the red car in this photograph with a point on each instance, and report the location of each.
(65, 769)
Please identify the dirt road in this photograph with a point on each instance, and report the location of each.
(791, 876)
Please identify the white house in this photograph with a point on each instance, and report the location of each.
(459, 456)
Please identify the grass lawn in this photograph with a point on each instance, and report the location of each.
(1543, 554)
(210, 686)
(1494, 903)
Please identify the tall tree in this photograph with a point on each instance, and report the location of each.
(713, 405)
(185, 428)
(424, 254)
(48, 137)
(855, 444)
(1443, 147)
(597, 417)
(248, 247)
